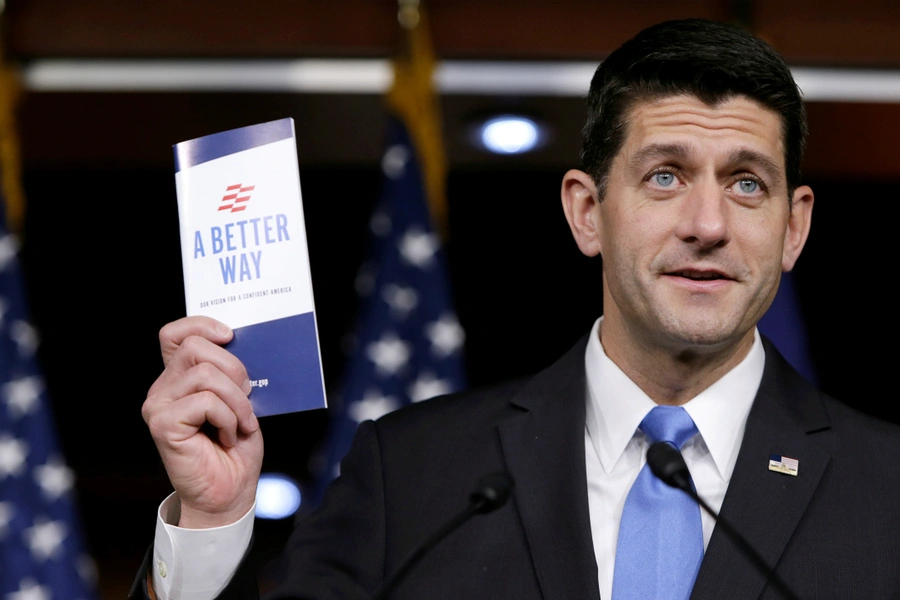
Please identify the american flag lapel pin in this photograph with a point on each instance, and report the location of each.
(783, 464)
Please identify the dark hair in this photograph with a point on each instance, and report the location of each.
(710, 60)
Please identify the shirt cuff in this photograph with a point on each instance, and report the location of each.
(196, 564)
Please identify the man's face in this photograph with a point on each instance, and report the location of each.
(695, 227)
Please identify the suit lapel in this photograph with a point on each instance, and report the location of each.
(543, 448)
(764, 505)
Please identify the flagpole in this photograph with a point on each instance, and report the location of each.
(10, 157)
(413, 100)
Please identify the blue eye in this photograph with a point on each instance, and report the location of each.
(748, 186)
(664, 179)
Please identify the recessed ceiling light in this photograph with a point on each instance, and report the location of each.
(510, 134)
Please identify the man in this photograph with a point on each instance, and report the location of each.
(690, 193)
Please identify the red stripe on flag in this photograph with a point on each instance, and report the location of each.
(248, 188)
(229, 197)
(238, 208)
(232, 187)
(225, 207)
(243, 199)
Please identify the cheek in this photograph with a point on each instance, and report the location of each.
(617, 249)
(636, 226)
(762, 241)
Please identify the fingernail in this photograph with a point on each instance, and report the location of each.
(254, 422)
(246, 387)
(223, 329)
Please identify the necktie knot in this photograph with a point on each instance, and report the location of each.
(669, 424)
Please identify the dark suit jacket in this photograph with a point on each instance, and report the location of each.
(833, 531)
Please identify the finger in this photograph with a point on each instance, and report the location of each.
(222, 418)
(196, 350)
(172, 335)
(207, 377)
(183, 419)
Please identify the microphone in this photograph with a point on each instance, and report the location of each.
(491, 492)
(667, 463)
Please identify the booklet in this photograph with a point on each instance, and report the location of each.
(245, 260)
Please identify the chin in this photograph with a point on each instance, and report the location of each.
(702, 334)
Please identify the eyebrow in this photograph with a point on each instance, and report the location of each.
(657, 151)
(745, 156)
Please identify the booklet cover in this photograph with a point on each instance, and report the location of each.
(245, 260)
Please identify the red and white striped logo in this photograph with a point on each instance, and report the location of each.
(233, 199)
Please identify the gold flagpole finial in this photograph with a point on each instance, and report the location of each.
(408, 13)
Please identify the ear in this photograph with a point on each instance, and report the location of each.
(581, 205)
(798, 227)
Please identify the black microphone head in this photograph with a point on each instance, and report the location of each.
(492, 491)
(668, 465)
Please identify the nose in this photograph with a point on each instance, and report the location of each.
(703, 218)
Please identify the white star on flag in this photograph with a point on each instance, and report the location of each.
(446, 335)
(45, 537)
(8, 249)
(402, 300)
(393, 163)
(390, 354)
(29, 590)
(12, 456)
(25, 336)
(55, 478)
(380, 224)
(418, 247)
(6, 514)
(428, 386)
(22, 395)
(373, 406)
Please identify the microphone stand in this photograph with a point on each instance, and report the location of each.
(491, 492)
(668, 465)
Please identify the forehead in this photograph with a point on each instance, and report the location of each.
(733, 124)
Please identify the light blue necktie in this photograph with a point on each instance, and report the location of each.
(660, 537)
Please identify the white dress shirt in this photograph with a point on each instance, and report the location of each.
(196, 564)
(614, 450)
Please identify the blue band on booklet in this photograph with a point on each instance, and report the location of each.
(283, 355)
(194, 152)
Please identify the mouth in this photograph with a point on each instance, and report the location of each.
(698, 275)
(700, 279)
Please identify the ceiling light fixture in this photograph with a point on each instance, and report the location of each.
(510, 134)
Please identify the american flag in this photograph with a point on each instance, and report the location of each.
(784, 325)
(41, 554)
(407, 345)
(783, 464)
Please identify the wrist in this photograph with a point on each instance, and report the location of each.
(194, 518)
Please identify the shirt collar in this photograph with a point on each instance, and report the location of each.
(616, 406)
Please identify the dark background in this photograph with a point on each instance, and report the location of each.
(101, 251)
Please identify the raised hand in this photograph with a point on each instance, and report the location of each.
(203, 424)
